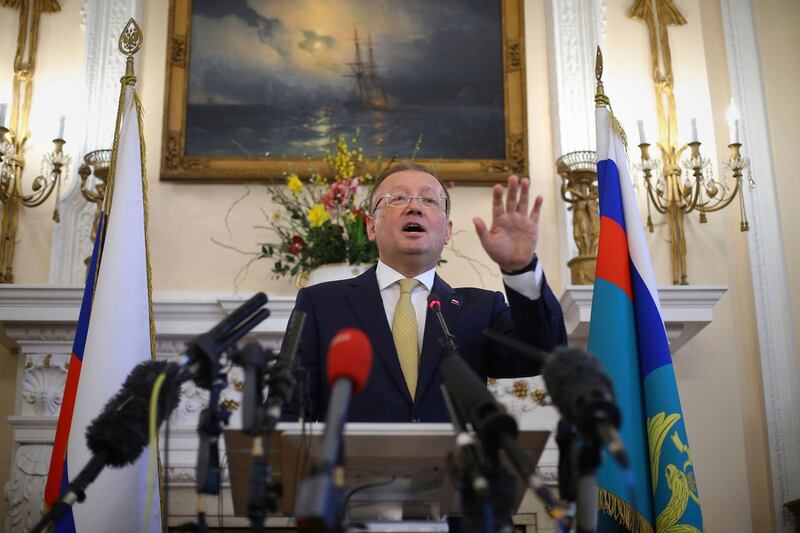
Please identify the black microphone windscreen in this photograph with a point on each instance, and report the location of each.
(487, 416)
(576, 381)
(120, 431)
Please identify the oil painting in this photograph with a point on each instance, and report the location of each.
(258, 86)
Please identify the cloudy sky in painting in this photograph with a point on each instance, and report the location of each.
(283, 52)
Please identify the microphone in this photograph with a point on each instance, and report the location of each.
(349, 365)
(580, 389)
(470, 452)
(281, 381)
(495, 427)
(448, 340)
(119, 434)
(584, 394)
(202, 353)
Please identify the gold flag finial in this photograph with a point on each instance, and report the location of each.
(598, 64)
(130, 41)
(600, 99)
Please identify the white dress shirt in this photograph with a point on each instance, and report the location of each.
(527, 284)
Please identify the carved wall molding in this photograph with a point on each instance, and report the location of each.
(25, 487)
(779, 359)
(43, 389)
(104, 66)
(575, 29)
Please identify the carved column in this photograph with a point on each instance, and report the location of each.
(574, 31)
(104, 65)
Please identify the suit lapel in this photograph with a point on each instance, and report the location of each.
(367, 304)
(432, 350)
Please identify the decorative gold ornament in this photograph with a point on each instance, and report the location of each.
(130, 41)
(230, 404)
(520, 389)
(14, 137)
(578, 171)
(678, 185)
(541, 398)
(95, 164)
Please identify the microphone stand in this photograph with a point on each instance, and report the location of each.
(501, 484)
(319, 496)
(204, 352)
(579, 459)
(474, 487)
(254, 360)
(259, 418)
(209, 429)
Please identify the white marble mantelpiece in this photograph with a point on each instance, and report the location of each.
(38, 323)
(686, 310)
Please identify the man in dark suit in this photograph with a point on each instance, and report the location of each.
(410, 224)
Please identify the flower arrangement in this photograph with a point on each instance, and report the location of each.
(322, 221)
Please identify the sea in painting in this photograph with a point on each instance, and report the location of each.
(278, 78)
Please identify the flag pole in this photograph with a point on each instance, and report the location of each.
(601, 100)
(130, 41)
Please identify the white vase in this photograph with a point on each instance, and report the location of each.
(334, 272)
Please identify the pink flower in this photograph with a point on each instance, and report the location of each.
(339, 193)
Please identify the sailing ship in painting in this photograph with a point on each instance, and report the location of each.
(370, 91)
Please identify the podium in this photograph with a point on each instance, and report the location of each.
(394, 471)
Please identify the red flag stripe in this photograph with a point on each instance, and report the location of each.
(53, 487)
(613, 263)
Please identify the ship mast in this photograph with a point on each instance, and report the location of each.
(358, 70)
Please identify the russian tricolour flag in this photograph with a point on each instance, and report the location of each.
(114, 335)
(627, 334)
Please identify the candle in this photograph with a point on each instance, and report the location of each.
(642, 138)
(695, 137)
(3, 108)
(61, 121)
(732, 116)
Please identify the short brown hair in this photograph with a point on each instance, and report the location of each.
(400, 167)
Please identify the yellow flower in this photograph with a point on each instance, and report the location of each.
(294, 183)
(318, 215)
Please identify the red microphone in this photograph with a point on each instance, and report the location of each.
(350, 357)
(317, 506)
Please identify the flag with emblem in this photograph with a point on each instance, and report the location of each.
(628, 335)
(114, 334)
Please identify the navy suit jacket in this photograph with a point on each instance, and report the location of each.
(357, 303)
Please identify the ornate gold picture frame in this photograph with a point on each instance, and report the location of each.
(253, 110)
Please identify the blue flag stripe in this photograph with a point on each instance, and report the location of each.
(650, 332)
(609, 191)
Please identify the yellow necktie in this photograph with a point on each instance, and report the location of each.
(404, 332)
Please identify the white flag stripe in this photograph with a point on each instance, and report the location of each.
(118, 340)
(609, 146)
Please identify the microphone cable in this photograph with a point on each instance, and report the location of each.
(151, 454)
(152, 426)
(153, 443)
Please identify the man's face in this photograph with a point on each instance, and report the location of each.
(410, 236)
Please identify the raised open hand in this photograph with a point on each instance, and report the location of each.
(511, 239)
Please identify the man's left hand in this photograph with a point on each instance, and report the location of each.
(511, 239)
